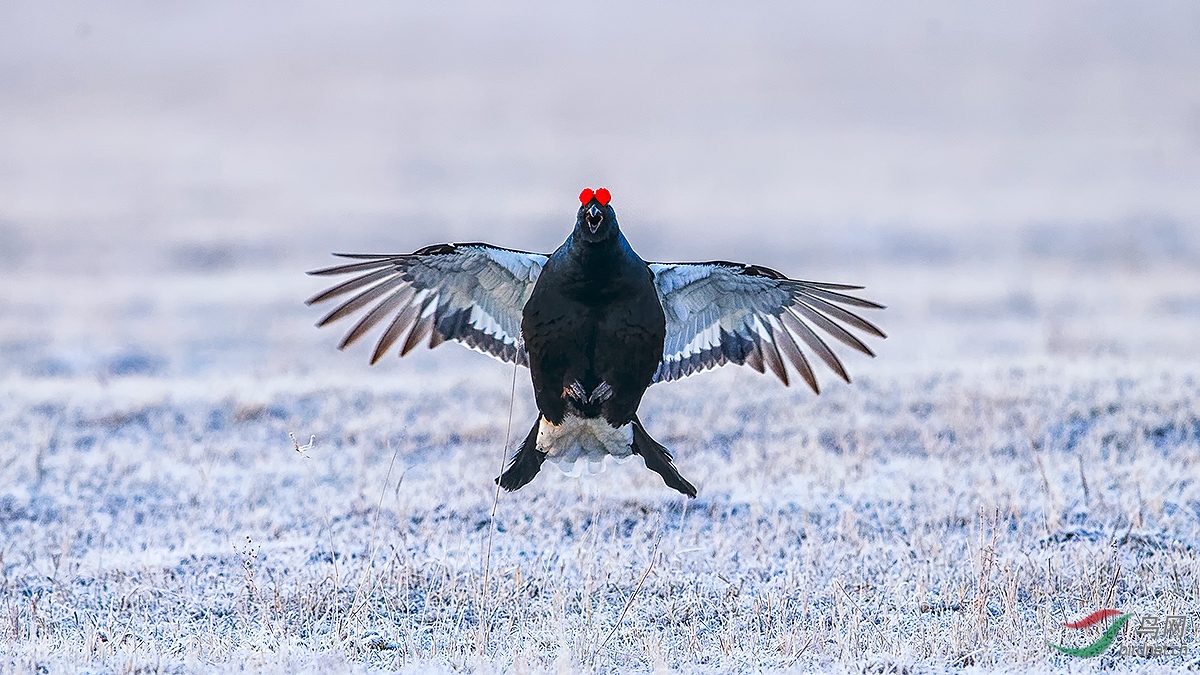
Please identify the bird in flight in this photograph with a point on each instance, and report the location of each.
(596, 325)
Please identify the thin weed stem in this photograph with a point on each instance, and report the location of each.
(632, 597)
(484, 617)
(374, 544)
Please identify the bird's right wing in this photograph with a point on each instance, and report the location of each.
(722, 312)
(470, 293)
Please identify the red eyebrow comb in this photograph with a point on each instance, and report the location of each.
(601, 195)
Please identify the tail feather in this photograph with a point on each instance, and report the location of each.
(658, 460)
(525, 463)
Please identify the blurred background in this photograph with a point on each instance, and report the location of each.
(1017, 181)
(1013, 180)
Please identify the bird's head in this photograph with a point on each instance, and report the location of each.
(596, 220)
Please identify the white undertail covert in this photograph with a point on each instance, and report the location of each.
(582, 444)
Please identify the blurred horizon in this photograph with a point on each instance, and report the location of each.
(1014, 182)
(159, 137)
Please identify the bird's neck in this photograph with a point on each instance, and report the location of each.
(599, 258)
(598, 266)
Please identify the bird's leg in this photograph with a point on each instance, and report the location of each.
(658, 460)
(525, 463)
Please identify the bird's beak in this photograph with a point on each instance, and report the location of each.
(594, 218)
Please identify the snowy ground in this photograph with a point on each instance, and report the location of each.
(941, 511)
(1017, 188)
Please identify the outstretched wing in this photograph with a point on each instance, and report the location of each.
(722, 312)
(470, 293)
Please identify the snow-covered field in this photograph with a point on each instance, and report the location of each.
(1026, 448)
(949, 508)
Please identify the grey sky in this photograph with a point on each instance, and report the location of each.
(415, 123)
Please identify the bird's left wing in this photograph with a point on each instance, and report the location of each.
(470, 293)
(722, 312)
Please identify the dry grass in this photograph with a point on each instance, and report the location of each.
(1016, 184)
(935, 515)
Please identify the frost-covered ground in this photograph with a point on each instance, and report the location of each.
(944, 510)
(1017, 186)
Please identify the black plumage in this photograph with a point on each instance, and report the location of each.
(597, 326)
(594, 319)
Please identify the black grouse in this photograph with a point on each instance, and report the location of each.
(596, 325)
